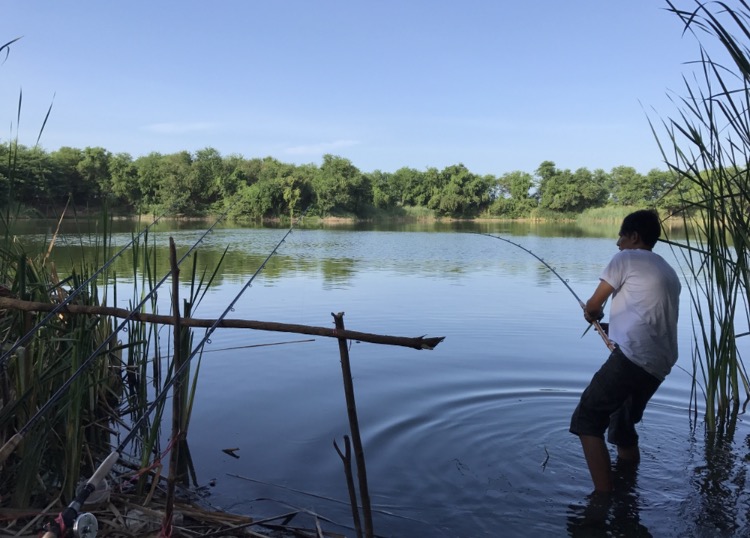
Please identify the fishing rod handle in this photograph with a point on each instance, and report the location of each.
(599, 329)
(604, 336)
(104, 469)
(10, 446)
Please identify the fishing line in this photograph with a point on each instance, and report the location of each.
(25, 338)
(71, 513)
(269, 344)
(317, 496)
(596, 324)
(13, 442)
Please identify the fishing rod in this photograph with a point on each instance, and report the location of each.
(14, 441)
(69, 518)
(5, 357)
(595, 323)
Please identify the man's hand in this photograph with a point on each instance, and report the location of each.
(591, 317)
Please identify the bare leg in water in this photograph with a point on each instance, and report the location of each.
(599, 463)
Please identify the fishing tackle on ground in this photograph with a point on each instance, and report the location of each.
(70, 515)
(596, 324)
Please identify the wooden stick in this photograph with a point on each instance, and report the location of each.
(419, 342)
(177, 403)
(351, 409)
(346, 459)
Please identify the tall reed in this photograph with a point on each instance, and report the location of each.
(111, 392)
(708, 149)
(78, 425)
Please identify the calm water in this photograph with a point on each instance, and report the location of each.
(469, 439)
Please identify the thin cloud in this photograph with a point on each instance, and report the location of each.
(179, 127)
(323, 147)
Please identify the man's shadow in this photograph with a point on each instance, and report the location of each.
(612, 514)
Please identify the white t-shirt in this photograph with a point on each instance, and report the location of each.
(644, 309)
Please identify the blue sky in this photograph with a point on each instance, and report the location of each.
(498, 86)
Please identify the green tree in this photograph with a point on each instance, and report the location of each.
(668, 193)
(31, 180)
(93, 169)
(124, 179)
(298, 192)
(149, 180)
(519, 185)
(566, 191)
(273, 190)
(463, 193)
(384, 195)
(180, 192)
(628, 187)
(545, 173)
(340, 187)
(263, 198)
(209, 174)
(65, 179)
(408, 187)
(514, 197)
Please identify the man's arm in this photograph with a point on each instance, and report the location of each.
(594, 309)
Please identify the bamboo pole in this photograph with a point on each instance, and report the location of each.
(351, 410)
(419, 342)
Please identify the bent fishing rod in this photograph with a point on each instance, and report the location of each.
(14, 441)
(72, 295)
(69, 518)
(596, 324)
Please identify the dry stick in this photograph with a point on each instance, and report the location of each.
(176, 392)
(346, 459)
(57, 231)
(419, 342)
(351, 410)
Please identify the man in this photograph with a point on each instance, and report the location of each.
(645, 294)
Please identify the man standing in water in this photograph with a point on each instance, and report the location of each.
(645, 294)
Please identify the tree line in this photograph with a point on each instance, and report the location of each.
(205, 182)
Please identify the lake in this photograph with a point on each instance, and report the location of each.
(469, 439)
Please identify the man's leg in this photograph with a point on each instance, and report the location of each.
(604, 395)
(599, 463)
(622, 422)
(629, 454)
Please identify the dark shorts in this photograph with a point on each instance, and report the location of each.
(615, 399)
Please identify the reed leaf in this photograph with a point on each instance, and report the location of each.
(708, 149)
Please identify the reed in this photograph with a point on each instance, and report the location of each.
(79, 423)
(108, 379)
(707, 147)
(111, 393)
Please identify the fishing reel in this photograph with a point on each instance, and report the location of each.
(75, 524)
(85, 526)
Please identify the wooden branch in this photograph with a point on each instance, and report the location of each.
(351, 411)
(419, 342)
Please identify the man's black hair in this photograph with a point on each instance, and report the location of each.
(645, 223)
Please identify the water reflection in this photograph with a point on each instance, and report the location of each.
(723, 506)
